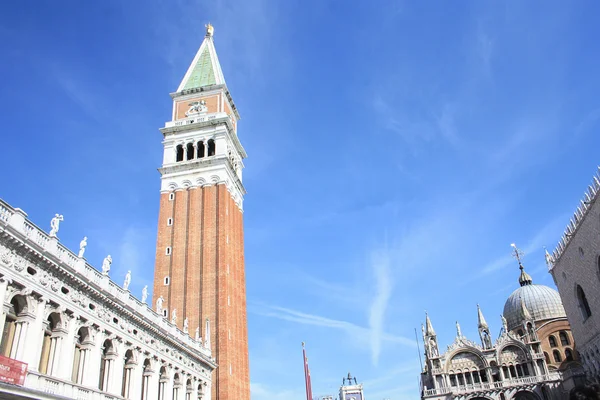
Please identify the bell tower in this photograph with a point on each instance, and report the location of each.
(199, 270)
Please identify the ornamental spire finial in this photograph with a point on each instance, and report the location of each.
(517, 254)
(524, 278)
(210, 30)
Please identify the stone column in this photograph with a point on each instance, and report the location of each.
(4, 282)
(152, 387)
(169, 384)
(36, 335)
(207, 391)
(117, 367)
(25, 341)
(136, 377)
(93, 357)
(65, 365)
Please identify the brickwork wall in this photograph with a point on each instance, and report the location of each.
(553, 328)
(164, 238)
(581, 267)
(206, 268)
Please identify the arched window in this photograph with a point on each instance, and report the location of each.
(11, 335)
(211, 147)
(547, 357)
(82, 345)
(483, 376)
(568, 355)
(179, 153)
(583, 303)
(199, 391)
(552, 341)
(127, 372)
(520, 333)
(176, 386)
(162, 383)
(556, 356)
(189, 388)
(146, 373)
(519, 371)
(50, 344)
(564, 339)
(106, 365)
(452, 380)
(190, 151)
(201, 151)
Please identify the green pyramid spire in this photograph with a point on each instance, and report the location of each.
(205, 69)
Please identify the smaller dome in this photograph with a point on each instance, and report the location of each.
(541, 301)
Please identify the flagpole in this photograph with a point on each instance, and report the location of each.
(306, 375)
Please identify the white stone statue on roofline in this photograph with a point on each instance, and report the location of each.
(159, 304)
(106, 265)
(127, 280)
(186, 326)
(144, 293)
(82, 246)
(55, 224)
(174, 316)
(197, 337)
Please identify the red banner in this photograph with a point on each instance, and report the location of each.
(12, 371)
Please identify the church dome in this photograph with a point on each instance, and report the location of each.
(541, 301)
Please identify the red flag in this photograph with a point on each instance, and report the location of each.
(307, 382)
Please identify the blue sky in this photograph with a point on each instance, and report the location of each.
(396, 149)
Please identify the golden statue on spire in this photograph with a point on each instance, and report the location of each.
(209, 29)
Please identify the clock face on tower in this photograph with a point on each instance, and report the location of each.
(353, 396)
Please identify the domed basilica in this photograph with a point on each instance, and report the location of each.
(533, 358)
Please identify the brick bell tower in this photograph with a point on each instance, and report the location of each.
(199, 268)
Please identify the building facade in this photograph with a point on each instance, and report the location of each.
(575, 267)
(199, 272)
(533, 358)
(77, 334)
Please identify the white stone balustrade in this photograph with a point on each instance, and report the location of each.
(490, 386)
(60, 387)
(196, 119)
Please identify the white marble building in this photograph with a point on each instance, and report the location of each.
(81, 335)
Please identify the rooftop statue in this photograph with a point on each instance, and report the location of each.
(55, 224)
(82, 246)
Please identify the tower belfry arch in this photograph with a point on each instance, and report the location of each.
(199, 270)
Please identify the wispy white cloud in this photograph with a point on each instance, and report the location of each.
(360, 334)
(380, 265)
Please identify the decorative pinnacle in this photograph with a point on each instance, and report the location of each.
(481, 322)
(210, 30)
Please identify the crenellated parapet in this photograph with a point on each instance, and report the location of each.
(589, 198)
